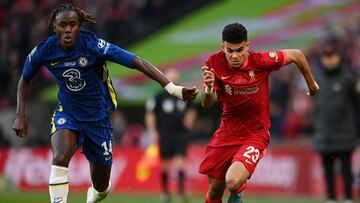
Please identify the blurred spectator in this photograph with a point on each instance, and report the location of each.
(132, 136)
(279, 95)
(3, 141)
(334, 117)
(119, 126)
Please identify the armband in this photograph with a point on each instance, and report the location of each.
(208, 90)
(174, 90)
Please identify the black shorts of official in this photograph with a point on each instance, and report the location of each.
(175, 146)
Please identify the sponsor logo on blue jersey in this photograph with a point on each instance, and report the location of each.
(75, 82)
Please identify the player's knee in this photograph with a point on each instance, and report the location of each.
(215, 194)
(233, 184)
(102, 186)
(61, 159)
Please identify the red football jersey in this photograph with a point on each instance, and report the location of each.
(243, 95)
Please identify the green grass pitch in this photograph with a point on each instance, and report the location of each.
(40, 197)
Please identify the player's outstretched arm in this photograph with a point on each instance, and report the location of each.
(298, 57)
(207, 96)
(20, 125)
(152, 72)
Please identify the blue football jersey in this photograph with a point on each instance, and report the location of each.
(85, 88)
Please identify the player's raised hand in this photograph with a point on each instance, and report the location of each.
(20, 126)
(189, 94)
(313, 89)
(208, 76)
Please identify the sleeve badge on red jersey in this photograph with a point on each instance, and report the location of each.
(252, 75)
(274, 56)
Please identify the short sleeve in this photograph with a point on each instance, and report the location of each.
(111, 52)
(32, 64)
(270, 60)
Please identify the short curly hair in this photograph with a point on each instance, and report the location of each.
(234, 33)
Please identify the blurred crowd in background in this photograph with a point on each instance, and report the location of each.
(23, 24)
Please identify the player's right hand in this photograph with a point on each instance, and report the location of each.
(208, 76)
(313, 89)
(20, 126)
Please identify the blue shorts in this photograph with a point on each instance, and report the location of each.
(95, 137)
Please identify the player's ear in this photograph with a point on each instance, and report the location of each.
(54, 28)
(222, 46)
(248, 45)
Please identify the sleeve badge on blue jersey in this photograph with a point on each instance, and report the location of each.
(101, 43)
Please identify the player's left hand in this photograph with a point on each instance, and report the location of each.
(313, 89)
(189, 93)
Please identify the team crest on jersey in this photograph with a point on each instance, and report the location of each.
(61, 121)
(252, 75)
(83, 61)
(274, 56)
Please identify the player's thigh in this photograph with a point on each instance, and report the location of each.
(247, 157)
(236, 175)
(64, 138)
(217, 161)
(97, 142)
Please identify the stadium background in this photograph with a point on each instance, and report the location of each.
(173, 34)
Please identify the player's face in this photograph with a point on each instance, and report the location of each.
(66, 27)
(235, 53)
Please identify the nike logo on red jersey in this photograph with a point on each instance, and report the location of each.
(225, 77)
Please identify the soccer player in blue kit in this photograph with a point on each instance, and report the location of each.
(77, 58)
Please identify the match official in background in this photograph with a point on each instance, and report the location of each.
(168, 121)
(334, 118)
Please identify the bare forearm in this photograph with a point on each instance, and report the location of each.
(22, 96)
(298, 57)
(304, 68)
(151, 71)
(207, 100)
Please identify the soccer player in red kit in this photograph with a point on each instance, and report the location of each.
(240, 79)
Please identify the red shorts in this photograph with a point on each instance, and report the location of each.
(218, 159)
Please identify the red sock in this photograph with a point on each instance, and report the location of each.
(241, 188)
(207, 199)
